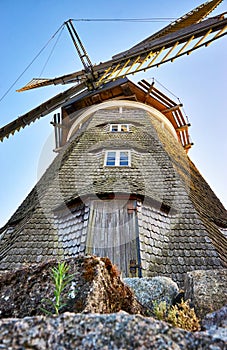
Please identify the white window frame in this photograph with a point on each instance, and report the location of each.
(117, 157)
(119, 126)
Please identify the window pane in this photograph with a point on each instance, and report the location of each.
(123, 158)
(110, 159)
(119, 127)
(124, 127)
(114, 128)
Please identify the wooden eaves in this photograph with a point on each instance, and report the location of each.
(144, 92)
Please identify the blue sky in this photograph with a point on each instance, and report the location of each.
(199, 80)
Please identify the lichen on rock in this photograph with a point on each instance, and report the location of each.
(96, 287)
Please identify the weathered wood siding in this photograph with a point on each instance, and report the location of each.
(113, 232)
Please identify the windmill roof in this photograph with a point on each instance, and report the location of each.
(88, 93)
(143, 92)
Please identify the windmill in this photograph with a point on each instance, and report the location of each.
(140, 224)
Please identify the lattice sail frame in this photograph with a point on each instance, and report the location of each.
(165, 49)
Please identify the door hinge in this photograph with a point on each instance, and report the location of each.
(133, 266)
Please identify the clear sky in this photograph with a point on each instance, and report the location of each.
(199, 80)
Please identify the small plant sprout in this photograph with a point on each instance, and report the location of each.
(160, 310)
(61, 280)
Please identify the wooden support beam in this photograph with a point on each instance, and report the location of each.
(113, 71)
(188, 145)
(104, 75)
(61, 126)
(174, 108)
(169, 52)
(156, 56)
(217, 35)
(145, 59)
(200, 41)
(183, 127)
(183, 48)
(132, 65)
(122, 68)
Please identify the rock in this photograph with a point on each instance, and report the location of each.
(216, 319)
(215, 324)
(100, 332)
(96, 287)
(150, 289)
(207, 290)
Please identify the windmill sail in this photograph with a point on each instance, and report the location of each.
(192, 17)
(64, 79)
(40, 111)
(183, 36)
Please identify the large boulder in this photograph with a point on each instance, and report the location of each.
(98, 332)
(216, 319)
(153, 289)
(207, 290)
(215, 324)
(96, 287)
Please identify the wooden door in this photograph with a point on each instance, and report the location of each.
(113, 233)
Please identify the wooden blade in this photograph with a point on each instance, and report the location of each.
(194, 16)
(161, 50)
(215, 22)
(40, 111)
(75, 77)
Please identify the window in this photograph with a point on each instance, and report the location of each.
(119, 127)
(118, 158)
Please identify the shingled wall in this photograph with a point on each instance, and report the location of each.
(178, 226)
